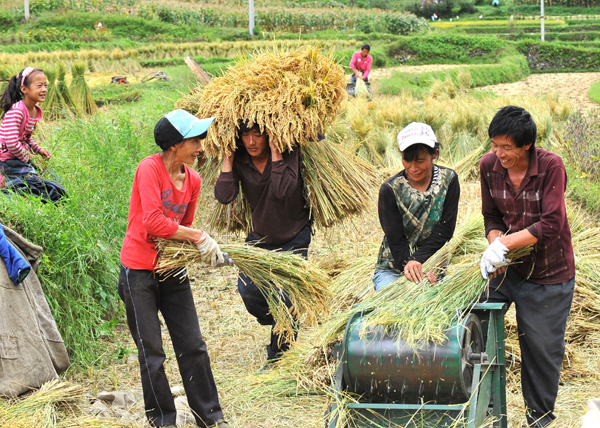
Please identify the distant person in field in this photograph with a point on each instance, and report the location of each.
(523, 203)
(21, 114)
(273, 186)
(417, 207)
(163, 204)
(360, 64)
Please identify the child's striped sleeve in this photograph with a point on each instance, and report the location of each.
(9, 132)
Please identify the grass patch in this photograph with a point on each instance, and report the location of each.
(556, 56)
(446, 49)
(594, 92)
(584, 190)
(82, 237)
(510, 69)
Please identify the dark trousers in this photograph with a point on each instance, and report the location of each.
(542, 312)
(253, 298)
(144, 294)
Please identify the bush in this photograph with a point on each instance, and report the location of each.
(446, 49)
(555, 56)
(442, 9)
(466, 8)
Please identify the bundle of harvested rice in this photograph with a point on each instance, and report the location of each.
(292, 94)
(361, 90)
(53, 105)
(80, 90)
(273, 272)
(63, 89)
(338, 183)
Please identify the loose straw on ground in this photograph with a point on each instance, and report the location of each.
(273, 272)
(53, 405)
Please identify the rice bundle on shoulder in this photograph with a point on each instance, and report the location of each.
(292, 95)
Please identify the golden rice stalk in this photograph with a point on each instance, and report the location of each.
(51, 406)
(53, 105)
(361, 90)
(292, 94)
(63, 89)
(274, 273)
(338, 182)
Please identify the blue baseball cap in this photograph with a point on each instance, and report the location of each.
(178, 125)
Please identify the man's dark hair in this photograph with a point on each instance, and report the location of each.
(516, 123)
(366, 46)
(412, 152)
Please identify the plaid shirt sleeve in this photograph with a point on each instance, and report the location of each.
(493, 218)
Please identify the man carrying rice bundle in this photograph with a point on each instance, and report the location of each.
(273, 187)
(418, 208)
(523, 203)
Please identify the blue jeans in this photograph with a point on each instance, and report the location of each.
(354, 79)
(383, 278)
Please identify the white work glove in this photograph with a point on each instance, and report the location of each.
(209, 249)
(493, 258)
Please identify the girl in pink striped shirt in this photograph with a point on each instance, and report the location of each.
(21, 114)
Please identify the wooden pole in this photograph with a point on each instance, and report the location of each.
(26, 9)
(251, 16)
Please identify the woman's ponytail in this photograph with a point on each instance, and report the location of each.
(11, 94)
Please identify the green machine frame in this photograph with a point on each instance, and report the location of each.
(488, 399)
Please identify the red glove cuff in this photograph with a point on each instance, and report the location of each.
(201, 238)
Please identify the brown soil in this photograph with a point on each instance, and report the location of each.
(571, 86)
(382, 73)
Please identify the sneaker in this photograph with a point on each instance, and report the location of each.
(221, 423)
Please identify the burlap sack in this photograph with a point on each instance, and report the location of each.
(31, 348)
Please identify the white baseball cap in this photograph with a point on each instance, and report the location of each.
(416, 133)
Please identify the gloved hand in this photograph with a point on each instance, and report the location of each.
(209, 249)
(493, 258)
(227, 261)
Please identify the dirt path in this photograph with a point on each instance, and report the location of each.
(382, 73)
(572, 86)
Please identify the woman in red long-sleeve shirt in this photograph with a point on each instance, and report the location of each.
(163, 203)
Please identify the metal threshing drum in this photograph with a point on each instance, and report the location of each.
(385, 369)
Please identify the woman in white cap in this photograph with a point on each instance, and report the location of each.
(163, 203)
(417, 209)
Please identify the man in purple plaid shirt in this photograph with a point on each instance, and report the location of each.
(523, 203)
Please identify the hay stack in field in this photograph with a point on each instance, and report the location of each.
(63, 89)
(80, 90)
(53, 105)
(291, 94)
(273, 272)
